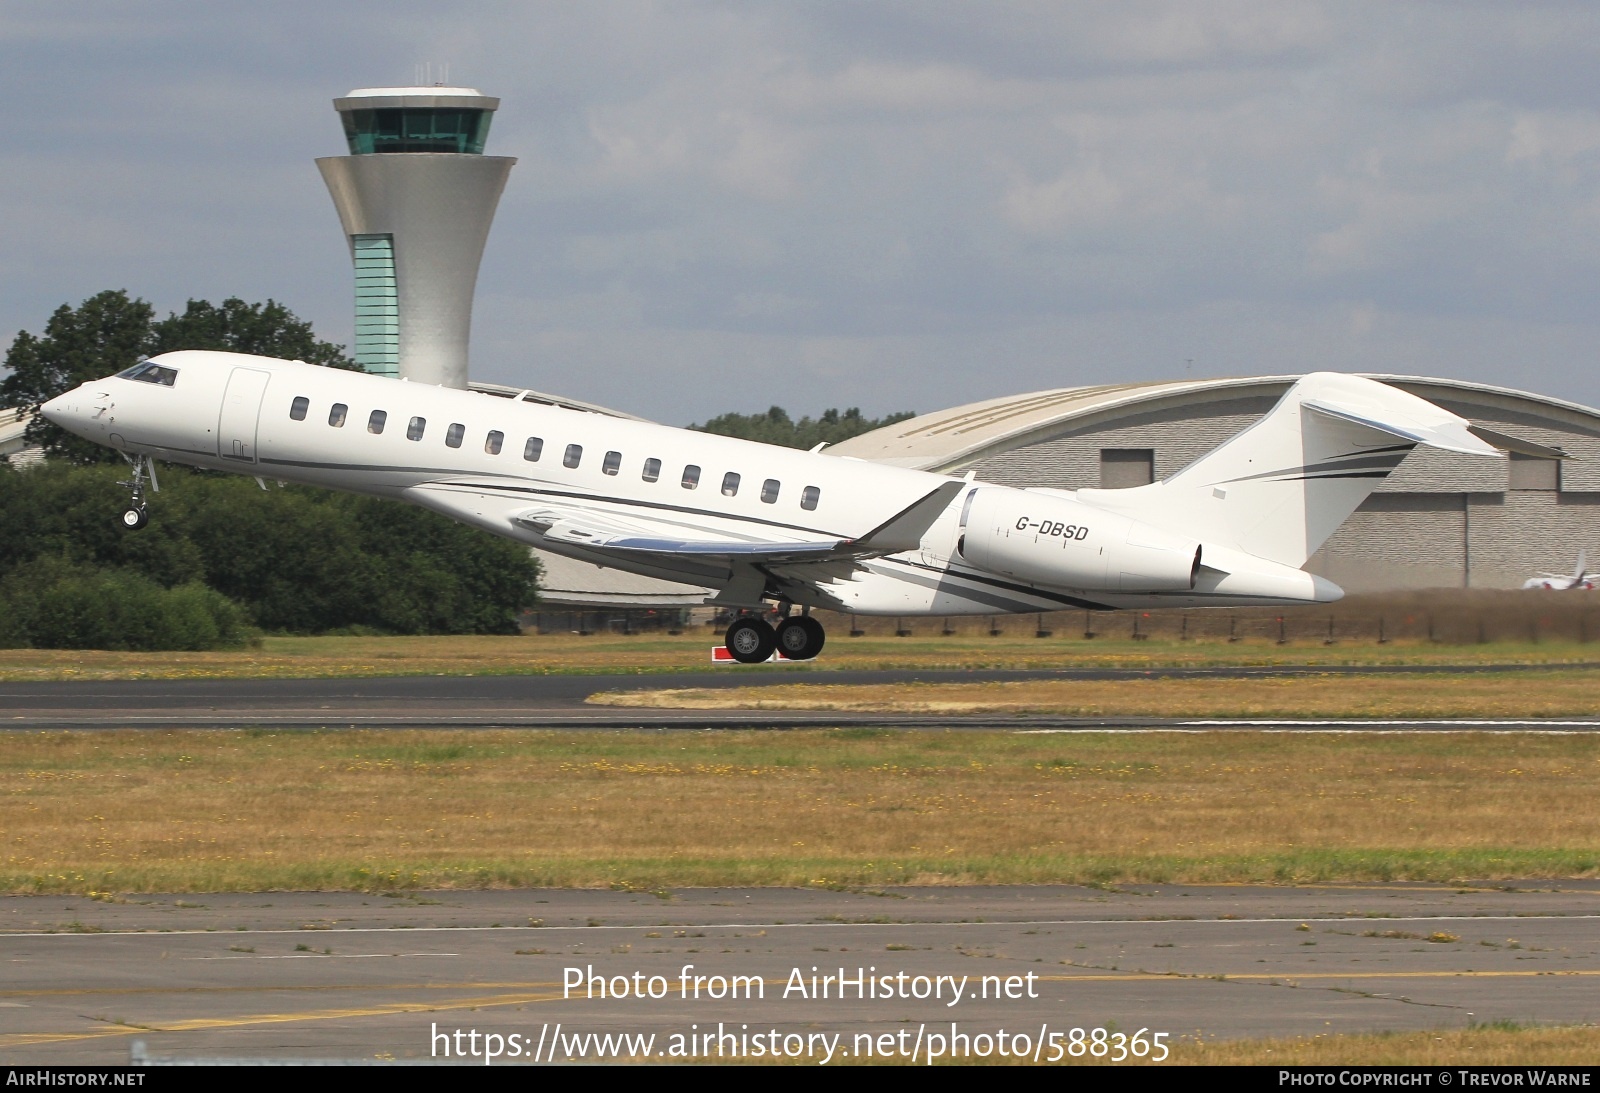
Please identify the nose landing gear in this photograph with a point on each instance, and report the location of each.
(137, 515)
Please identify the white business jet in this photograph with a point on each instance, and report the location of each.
(763, 523)
(1579, 580)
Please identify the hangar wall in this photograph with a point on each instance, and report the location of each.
(1440, 521)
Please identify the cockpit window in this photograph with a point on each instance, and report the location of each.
(151, 372)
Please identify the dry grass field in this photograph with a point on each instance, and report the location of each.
(231, 811)
(311, 657)
(1466, 695)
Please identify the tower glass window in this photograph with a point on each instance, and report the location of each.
(377, 305)
(416, 129)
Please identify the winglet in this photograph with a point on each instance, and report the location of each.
(904, 530)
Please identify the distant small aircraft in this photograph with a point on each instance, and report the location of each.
(763, 524)
(1577, 581)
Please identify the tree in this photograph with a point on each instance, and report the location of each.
(105, 334)
(269, 330)
(109, 332)
(776, 427)
(298, 560)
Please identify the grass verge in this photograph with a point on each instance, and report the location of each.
(246, 811)
(532, 654)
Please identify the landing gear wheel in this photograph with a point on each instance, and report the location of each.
(750, 640)
(136, 516)
(800, 637)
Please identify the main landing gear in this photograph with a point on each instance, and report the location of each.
(751, 640)
(137, 515)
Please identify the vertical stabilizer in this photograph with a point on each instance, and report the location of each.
(1280, 488)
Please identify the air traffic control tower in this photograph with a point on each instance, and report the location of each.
(416, 196)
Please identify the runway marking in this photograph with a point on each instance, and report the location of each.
(318, 956)
(202, 1024)
(901, 925)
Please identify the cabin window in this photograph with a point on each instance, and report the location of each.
(691, 477)
(613, 463)
(337, 414)
(376, 420)
(298, 408)
(809, 497)
(730, 484)
(532, 449)
(493, 442)
(415, 430)
(769, 491)
(573, 457)
(652, 470)
(453, 435)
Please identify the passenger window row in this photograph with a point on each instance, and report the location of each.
(571, 458)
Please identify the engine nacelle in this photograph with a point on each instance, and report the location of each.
(1057, 541)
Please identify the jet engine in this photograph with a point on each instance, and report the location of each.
(1057, 541)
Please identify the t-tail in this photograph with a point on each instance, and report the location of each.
(1280, 488)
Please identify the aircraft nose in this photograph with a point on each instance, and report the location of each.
(59, 409)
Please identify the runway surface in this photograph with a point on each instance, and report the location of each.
(304, 975)
(557, 701)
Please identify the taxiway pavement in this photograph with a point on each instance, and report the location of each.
(360, 976)
(557, 701)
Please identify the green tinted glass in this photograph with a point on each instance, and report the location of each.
(416, 129)
(377, 305)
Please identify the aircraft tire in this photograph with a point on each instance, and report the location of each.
(135, 517)
(750, 640)
(801, 637)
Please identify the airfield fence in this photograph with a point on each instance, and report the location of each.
(1452, 617)
(1445, 616)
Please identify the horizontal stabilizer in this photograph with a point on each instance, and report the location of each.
(1516, 444)
(1445, 430)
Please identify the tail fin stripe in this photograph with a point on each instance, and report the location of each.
(1388, 462)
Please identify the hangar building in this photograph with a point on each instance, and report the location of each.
(1439, 521)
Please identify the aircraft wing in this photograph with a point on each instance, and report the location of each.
(638, 534)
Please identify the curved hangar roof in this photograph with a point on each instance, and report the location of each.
(951, 441)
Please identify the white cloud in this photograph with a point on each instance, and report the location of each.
(887, 204)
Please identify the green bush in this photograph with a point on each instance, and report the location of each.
(57, 605)
(297, 560)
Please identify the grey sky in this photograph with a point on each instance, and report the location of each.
(893, 205)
